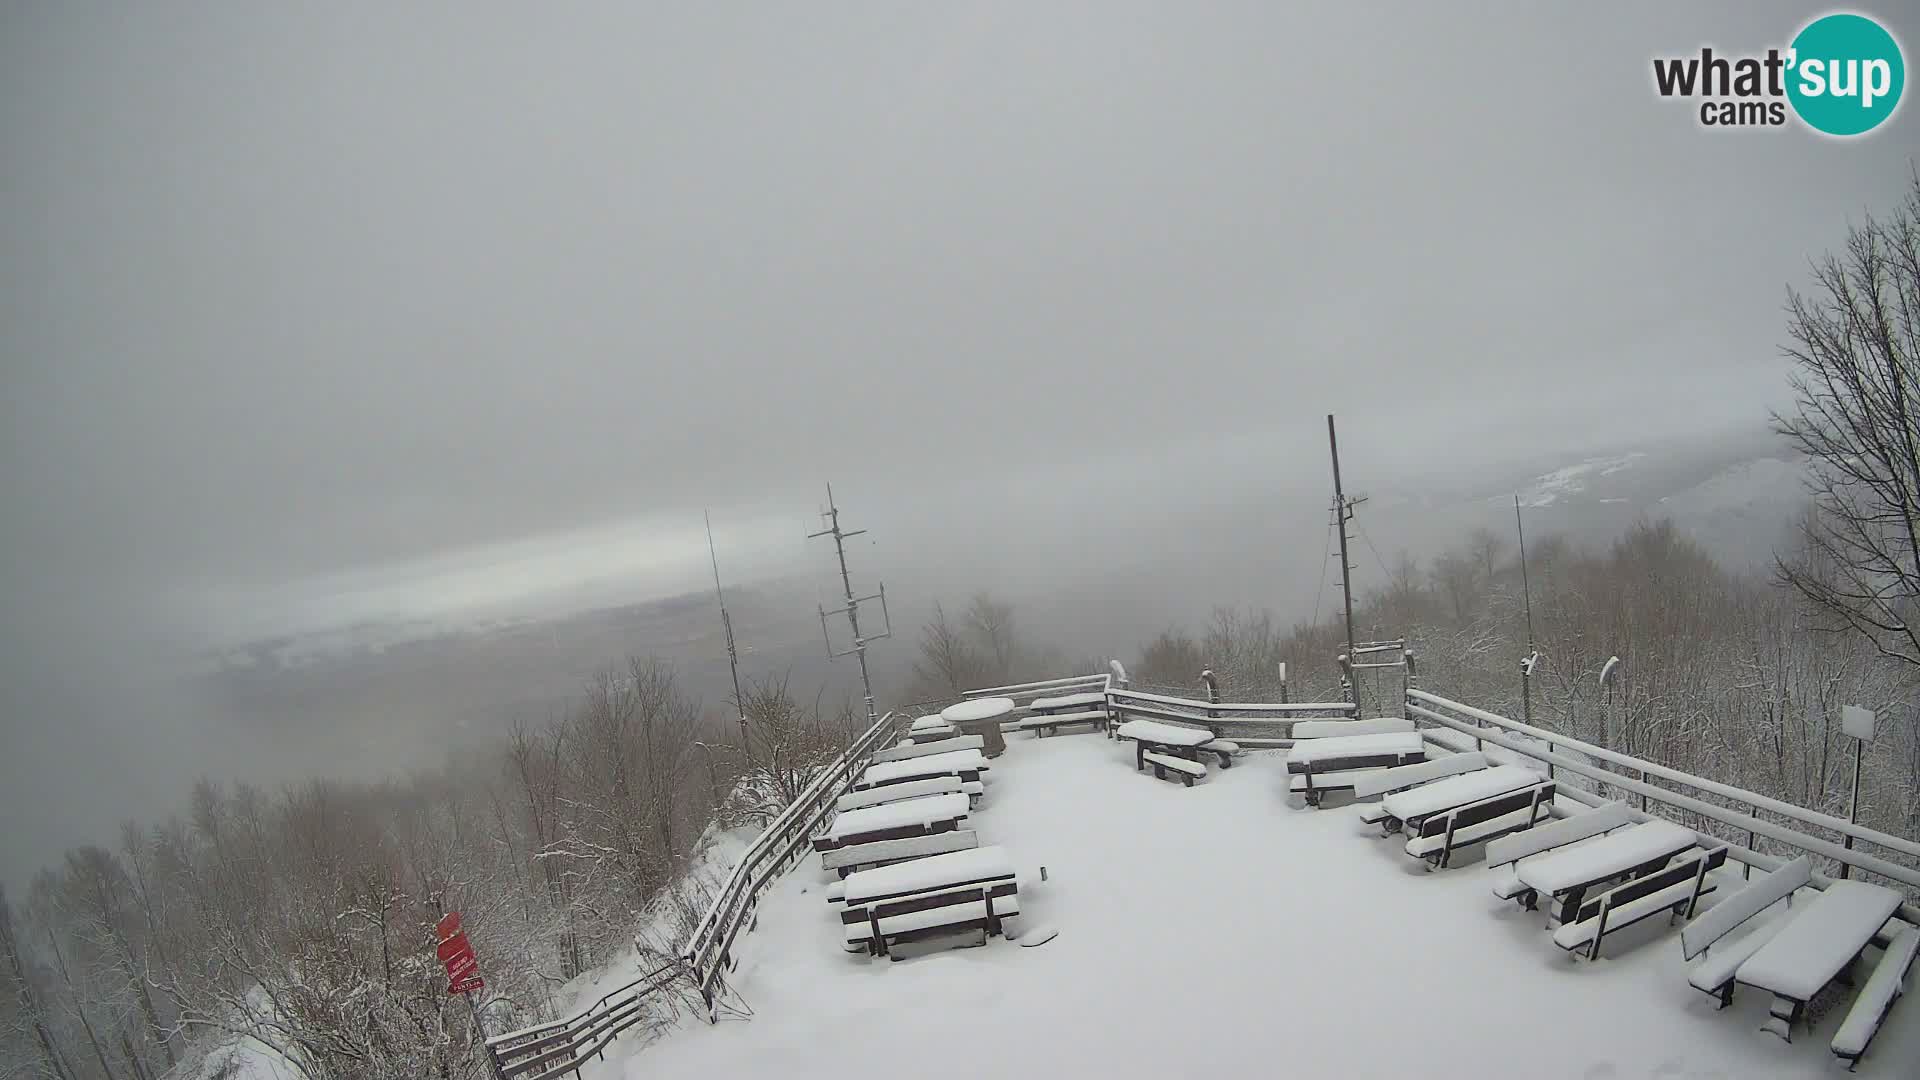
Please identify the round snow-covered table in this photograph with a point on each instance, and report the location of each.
(982, 717)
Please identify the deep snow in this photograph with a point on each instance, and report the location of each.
(1217, 930)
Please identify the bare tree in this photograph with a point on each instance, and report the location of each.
(1855, 347)
(948, 662)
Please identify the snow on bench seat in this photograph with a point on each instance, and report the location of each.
(1822, 938)
(1222, 746)
(898, 815)
(1876, 997)
(1458, 791)
(1340, 729)
(850, 858)
(1601, 819)
(1053, 720)
(912, 789)
(1713, 973)
(1067, 702)
(954, 761)
(934, 872)
(908, 750)
(1379, 743)
(1189, 771)
(928, 723)
(1387, 781)
(1758, 895)
(1573, 935)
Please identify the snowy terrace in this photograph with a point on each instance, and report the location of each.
(1219, 929)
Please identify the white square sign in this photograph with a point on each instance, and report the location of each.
(1857, 722)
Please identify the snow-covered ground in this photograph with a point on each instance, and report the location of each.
(1215, 930)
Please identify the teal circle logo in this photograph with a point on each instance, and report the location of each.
(1845, 74)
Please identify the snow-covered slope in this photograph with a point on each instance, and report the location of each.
(1215, 931)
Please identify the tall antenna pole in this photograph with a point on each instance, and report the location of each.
(726, 623)
(1526, 598)
(852, 610)
(1342, 511)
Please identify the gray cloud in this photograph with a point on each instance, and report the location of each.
(312, 308)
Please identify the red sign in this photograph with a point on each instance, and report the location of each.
(449, 948)
(454, 950)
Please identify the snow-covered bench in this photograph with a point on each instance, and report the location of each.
(1822, 942)
(1870, 1007)
(938, 894)
(1410, 808)
(1182, 768)
(1511, 849)
(1713, 973)
(1487, 819)
(1675, 890)
(909, 751)
(895, 821)
(912, 789)
(850, 858)
(966, 764)
(1388, 781)
(1043, 724)
(1324, 763)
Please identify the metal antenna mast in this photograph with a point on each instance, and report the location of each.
(852, 610)
(726, 623)
(1526, 596)
(1343, 513)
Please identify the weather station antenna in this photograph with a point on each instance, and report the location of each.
(831, 515)
(1343, 513)
(726, 623)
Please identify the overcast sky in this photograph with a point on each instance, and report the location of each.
(312, 312)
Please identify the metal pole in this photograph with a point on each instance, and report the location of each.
(726, 623)
(1346, 582)
(1526, 598)
(852, 610)
(1853, 806)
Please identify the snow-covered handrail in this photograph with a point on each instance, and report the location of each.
(1648, 768)
(1043, 686)
(1893, 871)
(557, 1047)
(1233, 706)
(768, 856)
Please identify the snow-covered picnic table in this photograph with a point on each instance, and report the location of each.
(1571, 871)
(932, 872)
(958, 763)
(983, 717)
(923, 812)
(937, 894)
(1412, 805)
(1159, 734)
(1823, 938)
(1067, 702)
(977, 709)
(1342, 746)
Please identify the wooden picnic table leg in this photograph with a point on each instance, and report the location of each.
(1139, 754)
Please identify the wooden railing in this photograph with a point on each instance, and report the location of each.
(708, 953)
(1631, 775)
(563, 1046)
